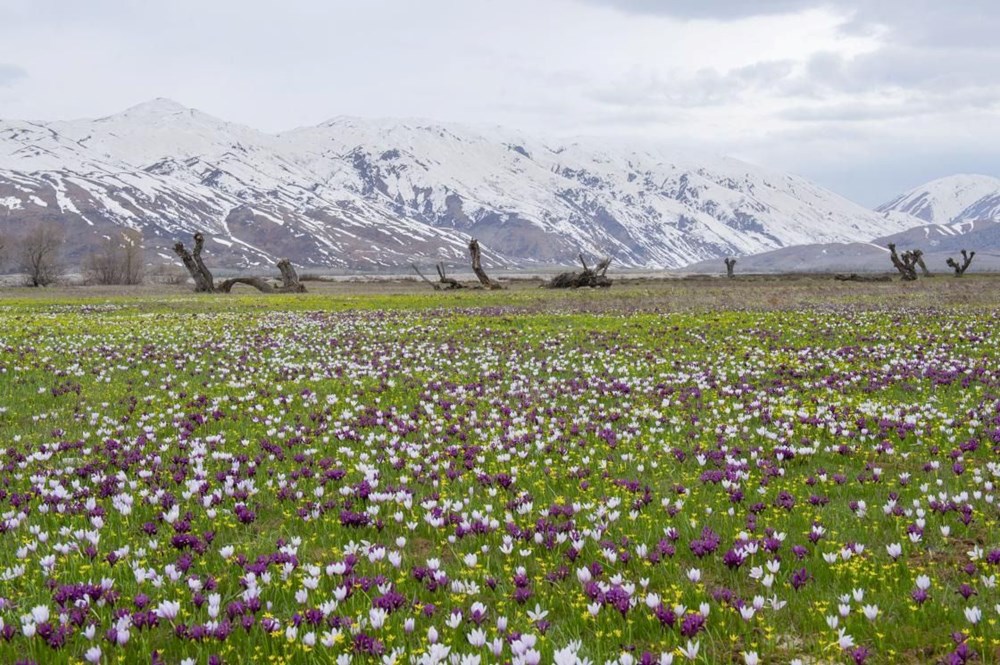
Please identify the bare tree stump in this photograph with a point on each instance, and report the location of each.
(730, 264)
(289, 278)
(961, 268)
(204, 282)
(477, 267)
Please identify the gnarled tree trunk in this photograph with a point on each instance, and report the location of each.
(730, 265)
(905, 263)
(289, 278)
(477, 267)
(204, 282)
(919, 254)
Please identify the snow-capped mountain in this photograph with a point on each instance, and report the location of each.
(355, 193)
(957, 198)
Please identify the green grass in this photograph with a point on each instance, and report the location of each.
(572, 395)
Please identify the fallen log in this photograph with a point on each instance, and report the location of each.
(854, 277)
(448, 282)
(592, 278)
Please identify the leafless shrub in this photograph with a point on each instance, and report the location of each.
(38, 255)
(168, 273)
(117, 261)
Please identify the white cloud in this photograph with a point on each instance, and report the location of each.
(748, 78)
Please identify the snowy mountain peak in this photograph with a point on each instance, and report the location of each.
(153, 108)
(159, 129)
(957, 198)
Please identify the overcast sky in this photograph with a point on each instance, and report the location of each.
(867, 97)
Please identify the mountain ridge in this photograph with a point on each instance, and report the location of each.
(355, 193)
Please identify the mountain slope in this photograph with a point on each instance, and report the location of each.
(356, 193)
(952, 199)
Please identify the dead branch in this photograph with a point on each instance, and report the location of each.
(434, 286)
(448, 282)
(961, 268)
(204, 282)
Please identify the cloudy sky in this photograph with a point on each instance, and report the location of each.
(867, 97)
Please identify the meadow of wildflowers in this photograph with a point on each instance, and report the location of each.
(263, 484)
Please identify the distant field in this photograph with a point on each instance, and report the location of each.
(645, 292)
(697, 470)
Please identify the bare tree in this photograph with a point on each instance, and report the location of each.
(966, 262)
(730, 265)
(117, 261)
(39, 255)
(906, 263)
(204, 282)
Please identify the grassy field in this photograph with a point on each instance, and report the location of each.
(757, 470)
